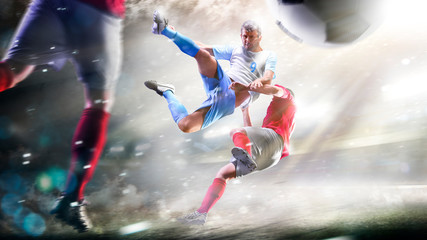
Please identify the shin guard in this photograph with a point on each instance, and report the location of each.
(88, 142)
(213, 194)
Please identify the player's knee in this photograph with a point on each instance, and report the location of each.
(227, 172)
(225, 176)
(237, 130)
(185, 126)
(203, 55)
(103, 104)
(206, 63)
(99, 99)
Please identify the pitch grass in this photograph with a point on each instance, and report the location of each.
(403, 223)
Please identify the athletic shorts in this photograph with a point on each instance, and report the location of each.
(53, 31)
(266, 148)
(221, 99)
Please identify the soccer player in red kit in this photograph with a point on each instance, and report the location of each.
(87, 32)
(256, 148)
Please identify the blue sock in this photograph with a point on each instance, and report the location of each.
(184, 43)
(176, 108)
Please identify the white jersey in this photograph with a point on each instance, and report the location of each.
(246, 66)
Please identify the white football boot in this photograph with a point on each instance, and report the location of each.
(159, 24)
(194, 218)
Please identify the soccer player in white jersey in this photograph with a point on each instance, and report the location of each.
(249, 65)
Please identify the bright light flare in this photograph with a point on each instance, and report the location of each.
(405, 12)
(313, 111)
(409, 86)
(134, 228)
(217, 133)
(44, 182)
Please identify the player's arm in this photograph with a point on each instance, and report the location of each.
(246, 117)
(206, 47)
(270, 90)
(270, 69)
(266, 89)
(264, 80)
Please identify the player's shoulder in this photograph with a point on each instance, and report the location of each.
(288, 93)
(280, 86)
(240, 49)
(271, 53)
(268, 54)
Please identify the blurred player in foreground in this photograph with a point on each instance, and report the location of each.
(87, 32)
(249, 65)
(256, 148)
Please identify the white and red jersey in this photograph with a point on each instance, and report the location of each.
(280, 117)
(115, 7)
(246, 66)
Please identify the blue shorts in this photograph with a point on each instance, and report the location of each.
(221, 99)
(53, 31)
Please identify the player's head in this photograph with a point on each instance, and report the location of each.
(250, 32)
(292, 93)
(250, 26)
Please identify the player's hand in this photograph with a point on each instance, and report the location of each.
(237, 86)
(255, 84)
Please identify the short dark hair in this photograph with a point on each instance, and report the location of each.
(292, 93)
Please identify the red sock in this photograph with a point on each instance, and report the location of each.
(88, 142)
(214, 193)
(241, 140)
(6, 76)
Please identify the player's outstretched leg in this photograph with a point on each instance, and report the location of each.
(176, 108)
(88, 142)
(214, 193)
(160, 26)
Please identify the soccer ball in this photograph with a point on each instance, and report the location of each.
(327, 22)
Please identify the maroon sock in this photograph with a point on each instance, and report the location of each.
(241, 140)
(214, 193)
(6, 76)
(88, 142)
